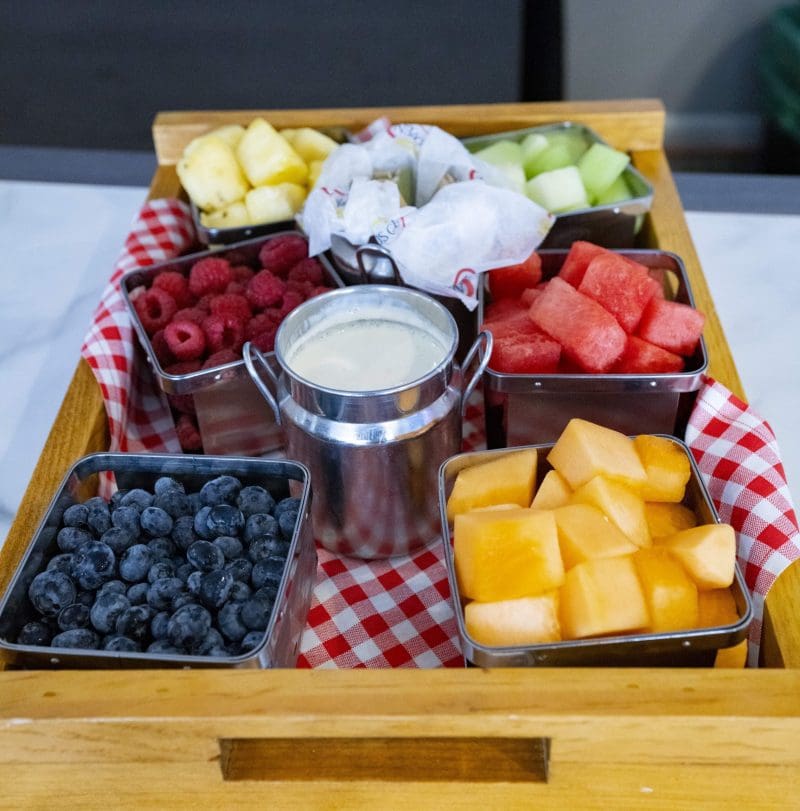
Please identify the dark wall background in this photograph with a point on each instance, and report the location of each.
(93, 75)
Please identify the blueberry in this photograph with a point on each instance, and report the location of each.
(76, 638)
(120, 644)
(195, 501)
(162, 646)
(262, 548)
(223, 489)
(107, 607)
(118, 539)
(138, 498)
(256, 611)
(34, 633)
(60, 563)
(252, 640)
(240, 591)
(255, 499)
(268, 572)
(201, 524)
(287, 521)
(155, 522)
(260, 525)
(86, 598)
(75, 516)
(134, 622)
(215, 587)
(180, 600)
(286, 504)
(93, 564)
(193, 582)
(137, 593)
(230, 622)
(223, 519)
(166, 484)
(127, 518)
(183, 571)
(163, 591)
(158, 625)
(240, 568)
(217, 651)
(70, 538)
(205, 556)
(162, 548)
(116, 500)
(183, 533)
(174, 503)
(231, 547)
(161, 568)
(99, 516)
(189, 626)
(73, 616)
(113, 585)
(213, 639)
(135, 563)
(50, 592)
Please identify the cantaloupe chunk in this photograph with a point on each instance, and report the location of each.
(667, 466)
(552, 492)
(505, 554)
(585, 533)
(602, 596)
(508, 478)
(717, 608)
(707, 552)
(665, 518)
(585, 450)
(670, 594)
(623, 507)
(525, 621)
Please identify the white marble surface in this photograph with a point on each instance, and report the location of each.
(60, 242)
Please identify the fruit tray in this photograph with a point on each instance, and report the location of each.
(569, 737)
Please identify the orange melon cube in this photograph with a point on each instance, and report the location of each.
(524, 621)
(509, 478)
(717, 607)
(552, 492)
(667, 466)
(623, 507)
(670, 594)
(585, 533)
(602, 596)
(664, 518)
(585, 450)
(733, 657)
(505, 554)
(707, 552)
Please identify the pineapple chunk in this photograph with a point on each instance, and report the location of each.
(505, 554)
(231, 134)
(233, 216)
(267, 157)
(584, 533)
(553, 492)
(288, 133)
(667, 465)
(707, 552)
(622, 506)
(311, 145)
(314, 171)
(209, 172)
(274, 203)
(524, 621)
(670, 594)
(664, 518)
(507, 479)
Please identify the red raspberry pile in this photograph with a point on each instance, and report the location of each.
(201, 320)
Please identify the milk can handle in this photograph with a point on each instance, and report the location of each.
(248, 353)
(483, 349)
(375, 250)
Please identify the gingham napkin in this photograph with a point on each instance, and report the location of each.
(397, 612)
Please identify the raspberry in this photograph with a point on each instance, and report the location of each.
(265, 341)
(239, 288)
(223, 332)
(155, 308)
(184, 403)
(210, 275)
(193, 314)
(304, 289)
(291, 299)
(318, 291)
(204, 303)
(231, 304)
(185, 340)
(308, 270)
(265, 289)
(176, 285)
(220, 358)
(282, 253)
(242, 273)
(263, 322)
(188, 434)
(161, 350)
(183, 367)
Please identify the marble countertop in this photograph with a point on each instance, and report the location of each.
(61, 240)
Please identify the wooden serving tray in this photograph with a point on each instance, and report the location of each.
(605, 738)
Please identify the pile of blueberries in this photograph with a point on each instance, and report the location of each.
(166, 572)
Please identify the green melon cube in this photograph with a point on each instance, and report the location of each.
(564, 148)
(559, 190)
(501, 153)
(515, 175)
(532, 145)
(600, 166)
(617, 191)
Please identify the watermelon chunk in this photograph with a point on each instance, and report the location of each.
(531, 294)
(641, 357)
(517, 324)
(505, 308)
(578, 259)
(622, 286)
(509, 282)
(588, 334)
(671, 325)
(533, 353)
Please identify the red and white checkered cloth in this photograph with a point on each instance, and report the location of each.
(397, 612)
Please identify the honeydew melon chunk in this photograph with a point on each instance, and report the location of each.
(564, 148)
(619, 190)
(524, 621)
(600, 166)
(532, 145)
(501, 153)
(558, 191)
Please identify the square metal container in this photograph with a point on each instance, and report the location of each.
(527, 409)
(281, 641)
(232, 415)
(614, 225)
(691, 648)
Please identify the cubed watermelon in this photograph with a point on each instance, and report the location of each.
(533, 353)
(671, 325)
(588, 334)
(577, 260)
(505, 308)
(622, 286)
(514, 324)
(530, 295)
(641, 357)
(509, 282)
